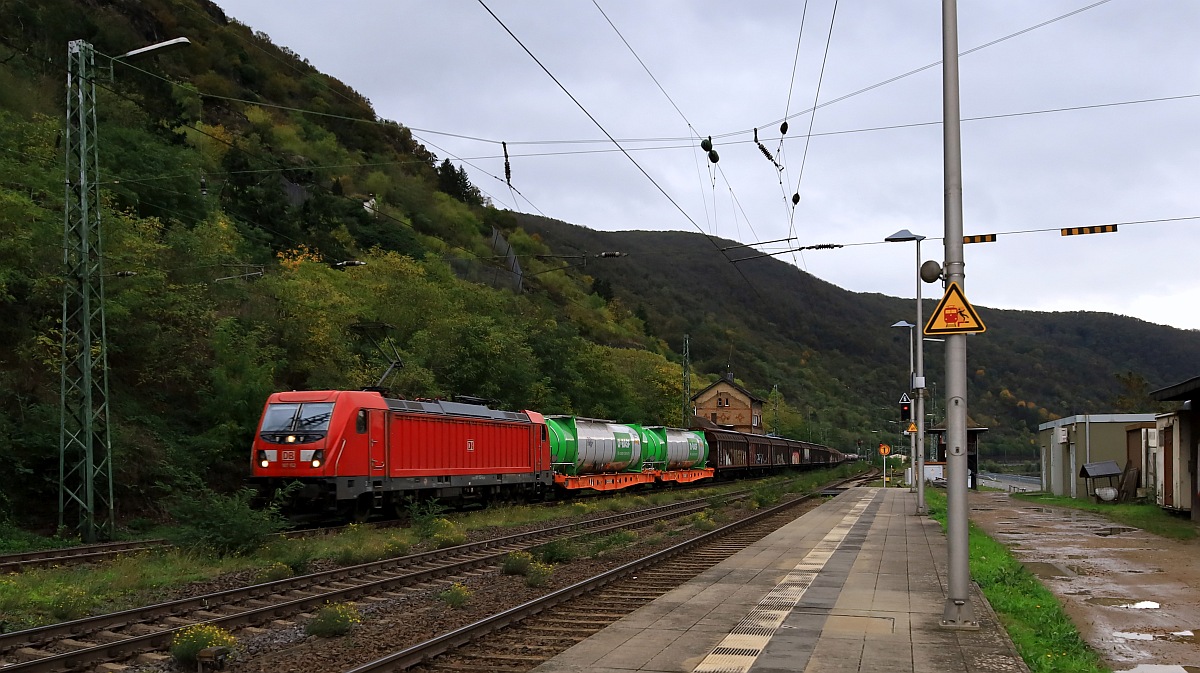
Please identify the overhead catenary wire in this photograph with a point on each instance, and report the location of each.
(606, 133)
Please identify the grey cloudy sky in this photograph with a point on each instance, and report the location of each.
(873, 165)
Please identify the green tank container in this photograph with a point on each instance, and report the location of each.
(581, 446)
(684, 449)
(654, 450)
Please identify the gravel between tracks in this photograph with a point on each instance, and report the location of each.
(409, 617)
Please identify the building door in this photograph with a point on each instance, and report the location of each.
(1167, 448)
(1133, 452)
(376, 446)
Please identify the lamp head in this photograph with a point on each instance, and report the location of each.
(904, 235)
(156, 48)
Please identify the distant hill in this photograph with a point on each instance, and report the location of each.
(832, 354)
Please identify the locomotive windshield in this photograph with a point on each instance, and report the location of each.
(308, 417)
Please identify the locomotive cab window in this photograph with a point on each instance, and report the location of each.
(290, 423)
(360, 423)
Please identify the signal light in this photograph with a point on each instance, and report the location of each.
(906, 411)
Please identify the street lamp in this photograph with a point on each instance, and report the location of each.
(918, 376)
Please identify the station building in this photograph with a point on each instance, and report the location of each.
(726, 404)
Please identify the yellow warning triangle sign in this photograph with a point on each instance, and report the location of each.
(912, 427)
(954, 315)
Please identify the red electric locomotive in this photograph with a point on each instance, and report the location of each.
(354, 451)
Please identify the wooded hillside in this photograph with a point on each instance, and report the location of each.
(234, 177)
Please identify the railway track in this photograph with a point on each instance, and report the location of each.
(62, 556)
(521, 638)
(88, 642)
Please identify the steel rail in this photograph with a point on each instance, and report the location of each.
(160, 639)
(81, 554)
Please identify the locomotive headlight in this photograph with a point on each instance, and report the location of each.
(318, 457)
(262, 459)
(290, 439)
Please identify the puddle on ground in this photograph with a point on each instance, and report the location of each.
(1047, 570)
(1077, 556)
(1126, 635)
(1123, 603)
(1183, 637)
(1174, 637)
(1113, 530)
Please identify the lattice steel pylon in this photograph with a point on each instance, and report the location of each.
(687, 383)
(85, 485)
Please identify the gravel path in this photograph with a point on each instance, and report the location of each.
(1134, 596)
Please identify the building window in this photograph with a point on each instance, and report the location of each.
(714, 417)
(756, 420)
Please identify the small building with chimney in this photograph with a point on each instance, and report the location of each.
(728, 405)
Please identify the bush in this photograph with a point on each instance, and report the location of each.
(537, 574)
(188, 642)
(275, 571)
(395, 547)
(556, 551)
(356, 555)
(456, 596)
(517, 563)
(449, 538)
(762, 496)
(426, 518)
(224, 524)
(613, 540)
(703, 521)
(297, 559)
(335, 619)
(69, 603)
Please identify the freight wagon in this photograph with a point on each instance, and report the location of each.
(354, 452)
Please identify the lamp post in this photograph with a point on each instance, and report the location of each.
(84, 448)
(918, 376)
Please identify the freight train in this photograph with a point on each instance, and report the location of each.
(348, 453)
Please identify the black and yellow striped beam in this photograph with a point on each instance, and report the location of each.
(1077, 231)
(979, 238)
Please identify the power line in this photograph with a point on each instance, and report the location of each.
(609, 135)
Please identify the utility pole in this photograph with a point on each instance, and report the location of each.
(85, 447)
(85, 483)
(775, 423)
(687, 383)
(958, 612)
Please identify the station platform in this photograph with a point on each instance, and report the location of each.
(857, 584)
